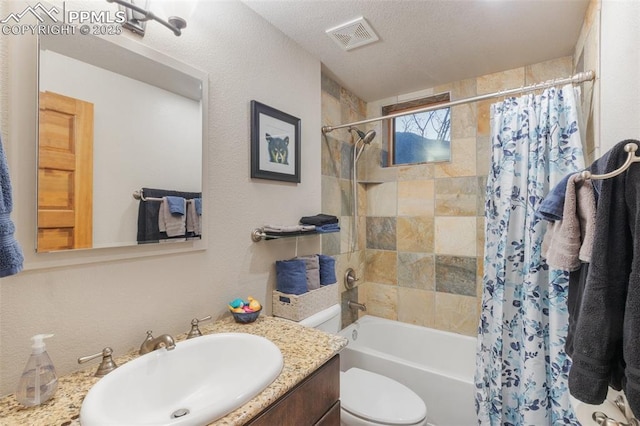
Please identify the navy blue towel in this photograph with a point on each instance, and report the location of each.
(11, 257)
(318, 220)
(327, 269)
(291, 276)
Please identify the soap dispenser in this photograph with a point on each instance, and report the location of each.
(38, 382)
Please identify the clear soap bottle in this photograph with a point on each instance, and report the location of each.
(38, 382)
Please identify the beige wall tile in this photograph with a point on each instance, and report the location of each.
(463, 159)
(416, 198)
(480, 222)
(363, 199)
(416, 172)
(381, 300)
(352, 107)
(362, 232)
(443, 88)
(331, 199)
(509, 79)
(549, 70)
(346, 236)
(483, 125)
(331, 156)
(457, 196)
(330, 110)
(382, 199)
(346, 197)
(456, 313)
(415, 234)
(463, 121)
(416, 306)
(463, 89)
(483, 155)
(381, 267)
(455, 236)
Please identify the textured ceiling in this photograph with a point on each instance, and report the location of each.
(424, 43)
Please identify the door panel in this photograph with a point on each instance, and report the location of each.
(65, 173)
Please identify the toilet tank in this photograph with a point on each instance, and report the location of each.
(328, 320)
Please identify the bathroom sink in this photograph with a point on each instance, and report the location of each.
(199, 381)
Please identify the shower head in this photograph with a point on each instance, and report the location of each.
(364, 137)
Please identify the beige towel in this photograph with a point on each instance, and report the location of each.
(173, 224)
(312, 265)
(193, 219)
(569, 241)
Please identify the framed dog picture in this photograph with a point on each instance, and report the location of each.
(275, 144)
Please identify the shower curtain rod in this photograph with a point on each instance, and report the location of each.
(575, 79)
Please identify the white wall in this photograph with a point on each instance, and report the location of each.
(619, 72)
(112, 303)
(144, 136)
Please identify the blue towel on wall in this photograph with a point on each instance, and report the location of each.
(327, 270)
(330, 227)
(198, 203)
(291, 276)
(176, 204)
(11, 258)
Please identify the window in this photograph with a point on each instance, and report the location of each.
(423, 137)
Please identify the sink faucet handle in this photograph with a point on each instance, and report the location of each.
(195, 331)
(106, 366)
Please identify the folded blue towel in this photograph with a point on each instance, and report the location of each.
(198, 203)
(327, 269)
(176, 204)
(319, 219)
(331, 227)
(291, 276)
(11, 258)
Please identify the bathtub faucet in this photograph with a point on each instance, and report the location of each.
(355, 305)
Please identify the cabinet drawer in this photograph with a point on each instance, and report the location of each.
(331, 417)
(307, 402)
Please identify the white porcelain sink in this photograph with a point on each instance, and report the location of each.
(208, 376)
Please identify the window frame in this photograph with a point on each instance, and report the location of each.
(389, 126)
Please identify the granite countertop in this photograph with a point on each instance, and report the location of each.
(303, 351)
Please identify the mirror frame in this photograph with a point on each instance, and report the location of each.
(126, 251)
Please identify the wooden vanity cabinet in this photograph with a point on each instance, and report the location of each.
(314, 401)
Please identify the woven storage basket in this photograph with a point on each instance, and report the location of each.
(298, 307)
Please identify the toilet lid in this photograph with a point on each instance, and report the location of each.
(380, 399)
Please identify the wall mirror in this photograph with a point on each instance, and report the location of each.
(113, 117)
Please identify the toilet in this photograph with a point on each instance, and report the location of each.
(367, 398)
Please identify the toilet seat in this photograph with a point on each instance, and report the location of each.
(379, 399)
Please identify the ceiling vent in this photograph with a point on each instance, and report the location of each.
(353, 34)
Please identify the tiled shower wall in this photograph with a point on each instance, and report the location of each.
(421, 241)
(341, 106)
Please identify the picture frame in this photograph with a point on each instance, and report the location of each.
(275, 144)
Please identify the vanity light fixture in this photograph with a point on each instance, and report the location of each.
(137, 17)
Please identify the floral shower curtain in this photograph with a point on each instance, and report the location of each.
(521, 366)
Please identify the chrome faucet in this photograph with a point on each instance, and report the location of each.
(151, 343)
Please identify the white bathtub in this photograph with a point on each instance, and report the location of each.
(436, 365)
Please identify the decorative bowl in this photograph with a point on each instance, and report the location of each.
(246, 317)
